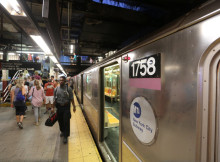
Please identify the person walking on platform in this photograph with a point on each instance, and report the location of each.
(71, 82)
(52, 78)
(18, 99)
(37, 76)
(12, 88)
(56, 83)
(31, 83)
(38, 96)
(63, 97)
(49, 88)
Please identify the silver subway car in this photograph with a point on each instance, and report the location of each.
(157, 100)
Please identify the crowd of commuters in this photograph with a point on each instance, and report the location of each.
(54, 94)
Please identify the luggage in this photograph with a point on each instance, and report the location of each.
(51, 120)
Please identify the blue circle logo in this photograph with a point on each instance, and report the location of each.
(137, 108)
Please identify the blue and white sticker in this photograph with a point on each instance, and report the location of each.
(143, 120)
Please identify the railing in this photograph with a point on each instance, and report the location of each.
(6, 91)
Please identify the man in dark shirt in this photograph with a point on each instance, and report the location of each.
(63, 97)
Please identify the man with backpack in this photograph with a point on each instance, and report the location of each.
(63, 95)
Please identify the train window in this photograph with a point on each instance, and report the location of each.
(88, 85)
(111, 108)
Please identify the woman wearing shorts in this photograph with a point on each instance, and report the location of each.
(49, 88)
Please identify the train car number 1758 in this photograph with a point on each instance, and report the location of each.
(148, 67)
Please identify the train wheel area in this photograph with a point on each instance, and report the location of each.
(41, 143)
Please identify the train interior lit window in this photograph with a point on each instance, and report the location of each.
(111, 111)
(88, 85)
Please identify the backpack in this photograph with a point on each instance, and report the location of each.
(19, 96)
(55, 96)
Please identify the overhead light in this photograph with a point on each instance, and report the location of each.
(30, 52)
(13, 7)
(64, 73)
(53, 58)
(71, 48)
(41, 43)
(11, 54)
(60, 67)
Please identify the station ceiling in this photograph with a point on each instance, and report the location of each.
(95, 27)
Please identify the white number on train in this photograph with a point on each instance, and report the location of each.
(145, 66)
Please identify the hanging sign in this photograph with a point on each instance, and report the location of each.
(11, 65)
(143, 121)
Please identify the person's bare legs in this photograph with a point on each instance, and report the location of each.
(18, 118)
(21, 118)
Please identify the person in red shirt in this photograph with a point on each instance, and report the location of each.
(49, 88)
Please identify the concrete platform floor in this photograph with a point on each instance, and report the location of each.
(44, 144)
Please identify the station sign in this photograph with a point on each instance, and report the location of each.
(147, 67)
(143, 121)
(12, 65)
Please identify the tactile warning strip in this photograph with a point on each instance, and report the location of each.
(81, 146)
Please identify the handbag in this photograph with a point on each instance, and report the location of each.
(51, 120)
(30, 97)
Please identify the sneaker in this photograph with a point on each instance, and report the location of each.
(36, 123)
(61, 134)
(20, 125)
(65, 140)
(25, 116)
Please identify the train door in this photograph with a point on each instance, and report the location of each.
(111, 109)
(82, 90)
(217, 131)
(208, 146)
(79, 88)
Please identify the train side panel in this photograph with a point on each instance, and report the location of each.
(91, 99)
(173, 100)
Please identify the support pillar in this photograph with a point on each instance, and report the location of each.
(5, 72)
(52, 69)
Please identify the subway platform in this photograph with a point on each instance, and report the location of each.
(42, 143)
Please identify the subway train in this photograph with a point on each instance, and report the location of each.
(158, 99)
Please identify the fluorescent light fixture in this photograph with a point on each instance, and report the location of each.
(41, 43)
(53, 58)
(71, 48)
(1, 53)
(64, 73)
(11, 54)
(31, 52)
(60, 67)
(13, 7)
